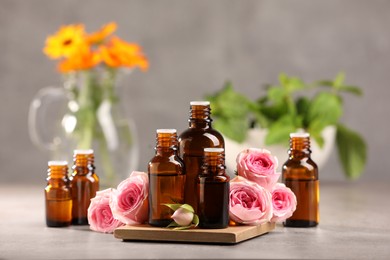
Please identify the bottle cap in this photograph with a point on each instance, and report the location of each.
(80, 151)
(214, 150)
(300, 135)
(166, 131)
(200, 103)
(57, 163)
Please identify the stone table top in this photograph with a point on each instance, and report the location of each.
(355, 223)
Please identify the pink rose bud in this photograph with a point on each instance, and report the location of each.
(258, 165)
(183, 217)
(284, 202)
(129, 202)
(100, 216)
(249, 202)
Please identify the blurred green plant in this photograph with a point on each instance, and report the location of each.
(289, 106)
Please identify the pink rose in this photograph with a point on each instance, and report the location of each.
(183, 217)
(129, 203)
(284, 202)
(100, 215)
(249, 202)
(258, 165)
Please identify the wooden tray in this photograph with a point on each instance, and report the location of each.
(229, 235)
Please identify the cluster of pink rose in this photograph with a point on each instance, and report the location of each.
(127, 204)
(255, 196)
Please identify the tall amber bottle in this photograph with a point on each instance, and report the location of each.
(167, 177)
(192, 141)
(300, 174)
(84, 184)
(213, 190)
(58, 195)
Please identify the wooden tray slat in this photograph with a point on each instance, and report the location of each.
(229, 235)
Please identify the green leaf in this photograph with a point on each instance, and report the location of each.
(195, 220)
(234, 128)
(276, 94)
(291, 84)
(279, 132)
(316, 133)
(182, 228)
(351, 89)
(339, 80)
(325, 83)
(325, 108)
(303, 105)
(173, 207)
(352, 151)
(187, 207)
(173, 224)
(229, 103)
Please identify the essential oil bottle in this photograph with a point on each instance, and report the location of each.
(192, 142)
(213, 190)
(84, 184)
(167, 177)
(300, 174)
(58, 195)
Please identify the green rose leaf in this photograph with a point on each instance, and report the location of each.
(173, 207)
(187, 207)
(352, 151)
(195, 221)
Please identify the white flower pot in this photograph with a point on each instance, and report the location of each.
(255, 139)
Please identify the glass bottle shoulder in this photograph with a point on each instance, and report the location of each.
(166, 165)
(198, 139)
(304, 168)
(89, 177)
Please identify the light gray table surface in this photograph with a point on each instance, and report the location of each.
(355, 223)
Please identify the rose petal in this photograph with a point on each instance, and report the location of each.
(100, 216)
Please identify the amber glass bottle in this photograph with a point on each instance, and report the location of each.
(192, 141)
(84, 184)
(300, 174)
(58, 195)
(167, 177)
(213, 190)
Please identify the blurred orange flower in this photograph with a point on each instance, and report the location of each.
(118, 53)
(102, 34)
(76, 50)
(82, 59)
(65, 41)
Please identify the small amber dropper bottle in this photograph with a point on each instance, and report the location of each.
(84, 184)
(167, 177)
(58, 195)
(300, 174)
(213, 190)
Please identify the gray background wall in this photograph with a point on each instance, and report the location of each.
(193, 47)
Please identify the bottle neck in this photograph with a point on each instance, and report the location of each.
(57, 171)
(214, 163)
(299, 147)
(83, 163)
(166, 143)
(57, 175)
(200, 116)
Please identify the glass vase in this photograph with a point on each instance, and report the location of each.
(87, 113)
